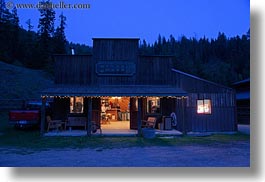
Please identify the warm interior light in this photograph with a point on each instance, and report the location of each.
(204, 106)
(207, 106)
(200, 109)
(76, 104)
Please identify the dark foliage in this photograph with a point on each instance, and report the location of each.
(222, 60)
(59, 37)
(24, 47)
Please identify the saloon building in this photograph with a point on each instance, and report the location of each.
(116, 84)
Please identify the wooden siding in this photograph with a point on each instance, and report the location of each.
(155, 70)
(81, 69)
(243, 101)
(193, 84)
(74, 69)
(243, 111)
(182, 116)
(222, 117)
(115, 49)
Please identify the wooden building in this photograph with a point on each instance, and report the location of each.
(147, 86)
(243, 100)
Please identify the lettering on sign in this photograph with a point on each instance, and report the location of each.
(115, 68)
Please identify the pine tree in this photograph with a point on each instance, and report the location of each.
(4, 12)
(29, 46)
(4, 19)
(14, 30)
(59, 36)
(248, 34)
(46, 21)
(46, 30)
(29, 25)
(9, 33)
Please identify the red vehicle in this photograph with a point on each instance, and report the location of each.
(27, 118)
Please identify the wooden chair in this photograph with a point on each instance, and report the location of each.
(149, 123)
(53, 124)
(77, 122)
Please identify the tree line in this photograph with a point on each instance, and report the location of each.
(25, 47)
(221, 60)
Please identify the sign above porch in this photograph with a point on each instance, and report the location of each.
(115, 68)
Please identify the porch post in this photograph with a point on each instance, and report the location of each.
(89, 117)
(139, 117)
(43, 115)
(183, 116)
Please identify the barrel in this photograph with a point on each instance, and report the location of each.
(148, 133)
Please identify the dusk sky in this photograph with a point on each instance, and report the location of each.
(146, 19)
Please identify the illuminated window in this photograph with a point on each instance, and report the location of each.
(76, 104)
(204, 106)
(153, 105)
(200, 107)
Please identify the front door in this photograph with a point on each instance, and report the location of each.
(115, 113)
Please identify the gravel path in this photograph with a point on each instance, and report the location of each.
(216, 155)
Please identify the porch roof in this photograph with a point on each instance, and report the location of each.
(114, 90)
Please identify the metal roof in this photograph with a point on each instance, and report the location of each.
(114, 90)
(201, 79)
(243, 96)
(242, 81)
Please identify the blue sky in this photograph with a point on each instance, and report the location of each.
(146, 19)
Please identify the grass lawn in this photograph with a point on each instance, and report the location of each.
(9, 137)
(18, 82)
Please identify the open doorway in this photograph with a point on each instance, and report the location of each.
(115, 113)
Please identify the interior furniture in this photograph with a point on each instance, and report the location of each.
(149, 123)
(76, 121)
(53, 124)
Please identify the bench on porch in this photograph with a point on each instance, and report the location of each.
(149, 123)
(76, 121)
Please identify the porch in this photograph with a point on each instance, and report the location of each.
(110, 133)
(112, 129)
(142, 101)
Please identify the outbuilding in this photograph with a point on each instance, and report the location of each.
(243, 100)
(116, 84)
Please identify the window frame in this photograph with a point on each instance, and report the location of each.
(157, 103)
(204, 104)
(73, 102)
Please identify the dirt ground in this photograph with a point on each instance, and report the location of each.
(233, 154)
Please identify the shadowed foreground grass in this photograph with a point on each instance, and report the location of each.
(32, 139)
(9, 137)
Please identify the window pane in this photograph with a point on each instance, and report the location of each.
(76, 104)
(207, 107)
(153, 105)
(200, 108)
